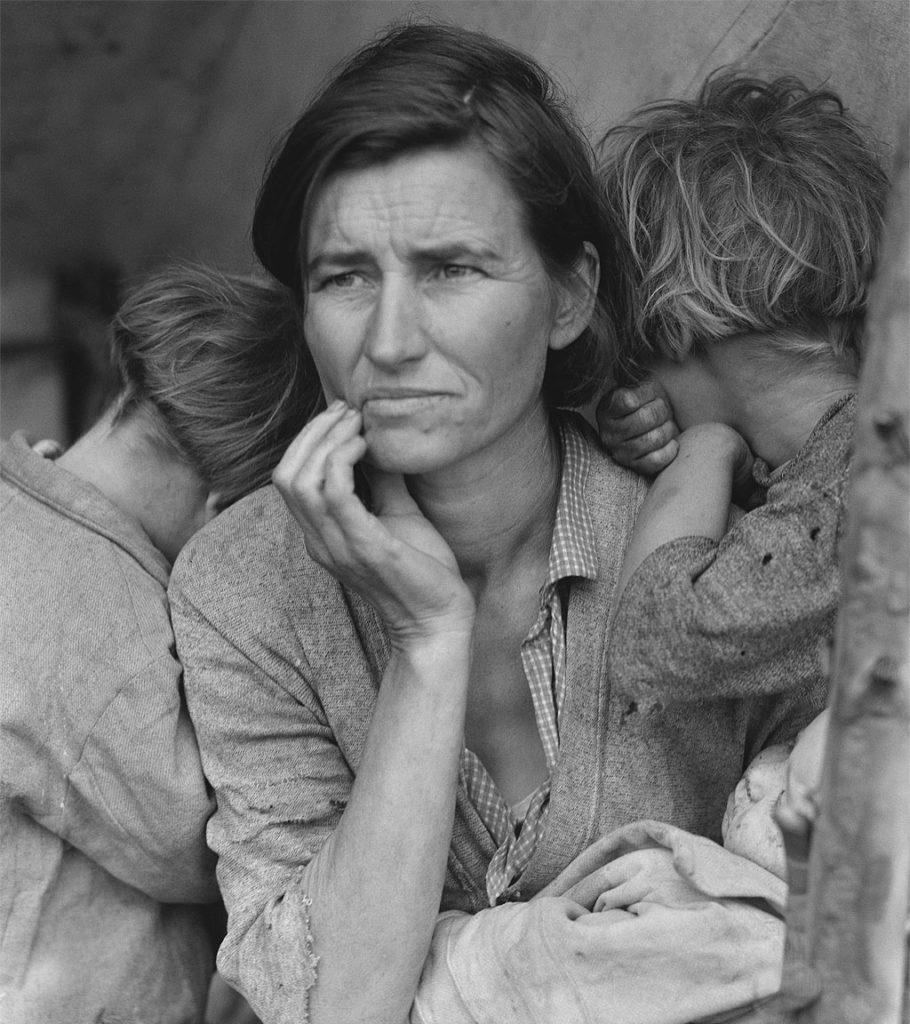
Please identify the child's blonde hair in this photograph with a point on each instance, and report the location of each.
(757, 207)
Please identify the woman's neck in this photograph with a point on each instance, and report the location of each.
(496, 510)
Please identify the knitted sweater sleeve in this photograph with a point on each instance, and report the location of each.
(280, 777)
(744, 617)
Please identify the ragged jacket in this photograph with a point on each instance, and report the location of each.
(103, 804)
(282, 667)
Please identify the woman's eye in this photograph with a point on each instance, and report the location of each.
(456, 271)
(346, 280)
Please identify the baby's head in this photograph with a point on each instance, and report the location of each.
(778, 774)
(755, 208)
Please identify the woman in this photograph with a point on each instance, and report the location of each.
(396, 680)
(104, 870)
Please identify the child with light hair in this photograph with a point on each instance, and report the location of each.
(752, 218)
(104, 870)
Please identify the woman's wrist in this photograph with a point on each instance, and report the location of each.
(443, 643)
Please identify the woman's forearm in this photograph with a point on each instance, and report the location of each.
(376, 884)
(374, 887)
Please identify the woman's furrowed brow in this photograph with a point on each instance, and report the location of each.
(448, 252)
(337, 258)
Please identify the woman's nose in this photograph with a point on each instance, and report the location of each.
(395, 333)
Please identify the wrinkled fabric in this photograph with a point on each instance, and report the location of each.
(649, 925)
(282, 667)
(573, 553)
(103, 804)
(747, 615)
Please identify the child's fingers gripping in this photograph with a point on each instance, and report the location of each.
(648, 453)
(616, 429)
(654, 462)
(616, 405)
(621, 402)
(650, 441)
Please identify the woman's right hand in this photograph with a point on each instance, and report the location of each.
(395, 558)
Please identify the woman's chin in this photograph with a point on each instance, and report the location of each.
(401, 452)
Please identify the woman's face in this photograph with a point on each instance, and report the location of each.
(428, 307)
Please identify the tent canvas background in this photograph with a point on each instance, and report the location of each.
(135, 131)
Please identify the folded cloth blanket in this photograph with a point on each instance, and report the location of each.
(650, 925)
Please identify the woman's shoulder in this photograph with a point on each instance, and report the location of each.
(246, 581)
(612, 492)
(255, 547)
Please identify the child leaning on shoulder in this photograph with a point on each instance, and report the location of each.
(752, 218)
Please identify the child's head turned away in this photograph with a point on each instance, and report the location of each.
(777, 774)
(755, 208)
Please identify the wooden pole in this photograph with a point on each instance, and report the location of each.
(859, 861)
(845, 958)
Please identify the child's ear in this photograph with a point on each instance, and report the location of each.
(213, 505)
(575, 299)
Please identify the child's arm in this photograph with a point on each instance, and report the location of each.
(691, 497)
(740, 611)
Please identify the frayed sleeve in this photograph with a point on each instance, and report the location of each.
(281, 783)
(745, 617)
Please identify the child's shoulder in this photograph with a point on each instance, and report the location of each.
(824, 459)
(832, 436)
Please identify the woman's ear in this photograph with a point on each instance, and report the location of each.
(576, 298)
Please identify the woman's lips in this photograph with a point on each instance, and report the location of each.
(403, 403)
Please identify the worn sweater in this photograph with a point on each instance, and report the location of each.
(282, 667)
(748, 615)
(103, 804)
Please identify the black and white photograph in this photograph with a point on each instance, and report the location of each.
(454, 512)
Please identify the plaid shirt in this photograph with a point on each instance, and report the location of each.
(543, 656)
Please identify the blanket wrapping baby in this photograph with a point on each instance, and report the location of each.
(649, 925)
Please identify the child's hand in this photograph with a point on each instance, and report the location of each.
(637, 427)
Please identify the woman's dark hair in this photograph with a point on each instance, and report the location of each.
(217, 365)
(427, 85)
